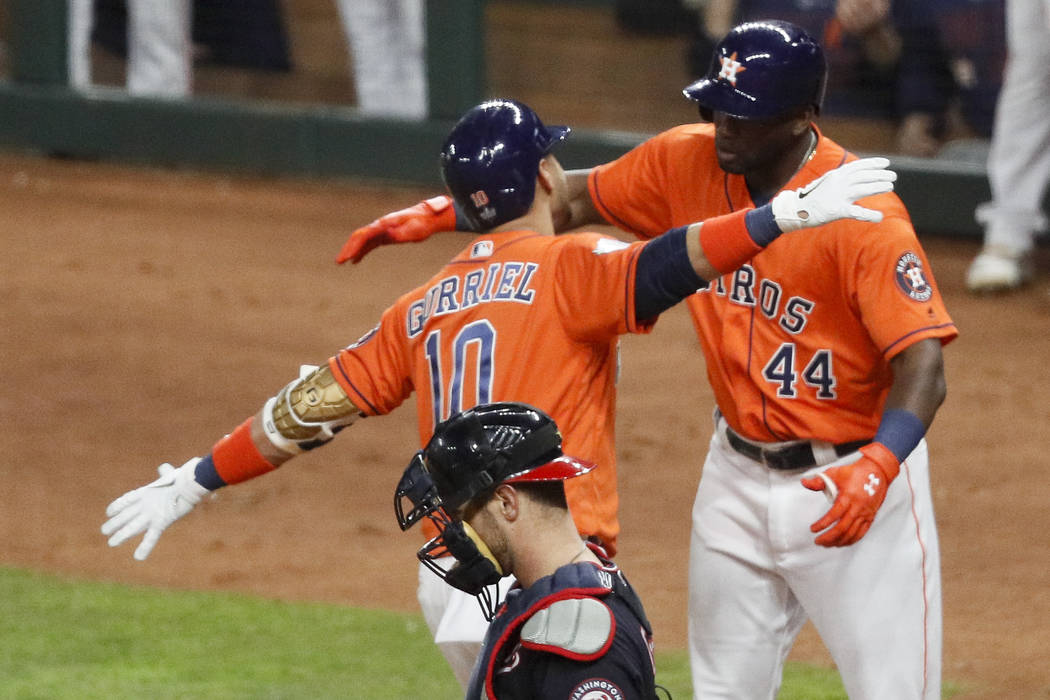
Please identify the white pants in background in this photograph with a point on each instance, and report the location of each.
(455, 619)
(160, 46)
(387, 43)
(1019, 159)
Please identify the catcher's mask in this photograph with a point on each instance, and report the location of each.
(467, 458)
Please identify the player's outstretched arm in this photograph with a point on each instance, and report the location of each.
(420, 221)
(411, 225)
(579, 210)
(857, 490)
(153, 507)
(720, 248)
(304, 414)
(677, 263)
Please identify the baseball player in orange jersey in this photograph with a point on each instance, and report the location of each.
(825, 361)
(824, 353)
(518, 315)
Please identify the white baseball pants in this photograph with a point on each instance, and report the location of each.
(755, 576)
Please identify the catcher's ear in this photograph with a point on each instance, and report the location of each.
(507, 498)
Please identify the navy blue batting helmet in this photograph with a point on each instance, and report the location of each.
(491, 158)
(761, 70)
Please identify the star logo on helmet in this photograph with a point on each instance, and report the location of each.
(730, 68)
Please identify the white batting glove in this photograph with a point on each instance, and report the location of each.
(832, 195)
(153, 507)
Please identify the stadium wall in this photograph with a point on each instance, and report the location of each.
(40, 114)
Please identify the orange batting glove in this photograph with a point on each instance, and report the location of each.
(857, 489)
(410, 225)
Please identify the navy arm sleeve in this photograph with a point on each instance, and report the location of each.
(664, 275)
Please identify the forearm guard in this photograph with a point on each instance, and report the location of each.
(308, 412)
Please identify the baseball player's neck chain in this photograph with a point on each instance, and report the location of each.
(810, 150)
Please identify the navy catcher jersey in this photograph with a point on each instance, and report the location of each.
(580, 634)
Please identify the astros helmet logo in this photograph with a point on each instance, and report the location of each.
(730, 68)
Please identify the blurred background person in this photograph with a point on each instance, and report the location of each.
(1019, 160)
(159, 46)
(388, 51)
(949, 75)
(163, 41)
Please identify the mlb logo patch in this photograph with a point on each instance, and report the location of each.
(481, 249)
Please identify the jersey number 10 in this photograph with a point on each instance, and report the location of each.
(482, 335)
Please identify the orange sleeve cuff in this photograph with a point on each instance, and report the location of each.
(726, 243)
(237, 458)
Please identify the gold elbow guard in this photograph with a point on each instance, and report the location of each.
(308, 411)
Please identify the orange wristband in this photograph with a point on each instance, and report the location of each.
(237, 458)
(726, 243)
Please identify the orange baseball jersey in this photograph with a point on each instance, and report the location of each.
(797, 342)
(516, 316)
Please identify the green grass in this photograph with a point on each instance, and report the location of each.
(71, 640)
(801, 682)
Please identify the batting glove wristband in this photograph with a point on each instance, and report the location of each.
(417, 223)
(153, 507)
(858, 490)
(831, 196)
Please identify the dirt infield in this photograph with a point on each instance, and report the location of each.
(146, 313)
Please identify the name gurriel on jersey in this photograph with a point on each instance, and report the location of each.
(498, 282)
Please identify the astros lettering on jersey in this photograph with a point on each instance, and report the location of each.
(783, 365)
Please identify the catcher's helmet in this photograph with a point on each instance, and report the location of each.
(473, 452)
(760, 70)
(470, 455)
(490, 160)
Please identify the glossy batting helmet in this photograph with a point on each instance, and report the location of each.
(762, 70)
(490, 160)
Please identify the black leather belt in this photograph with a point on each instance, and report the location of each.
(798, 456)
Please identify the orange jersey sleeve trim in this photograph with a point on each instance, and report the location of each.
(947, 332)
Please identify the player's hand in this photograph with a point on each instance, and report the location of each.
(857, 489)
(417, 223)
(153, 507)
(832, 195)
